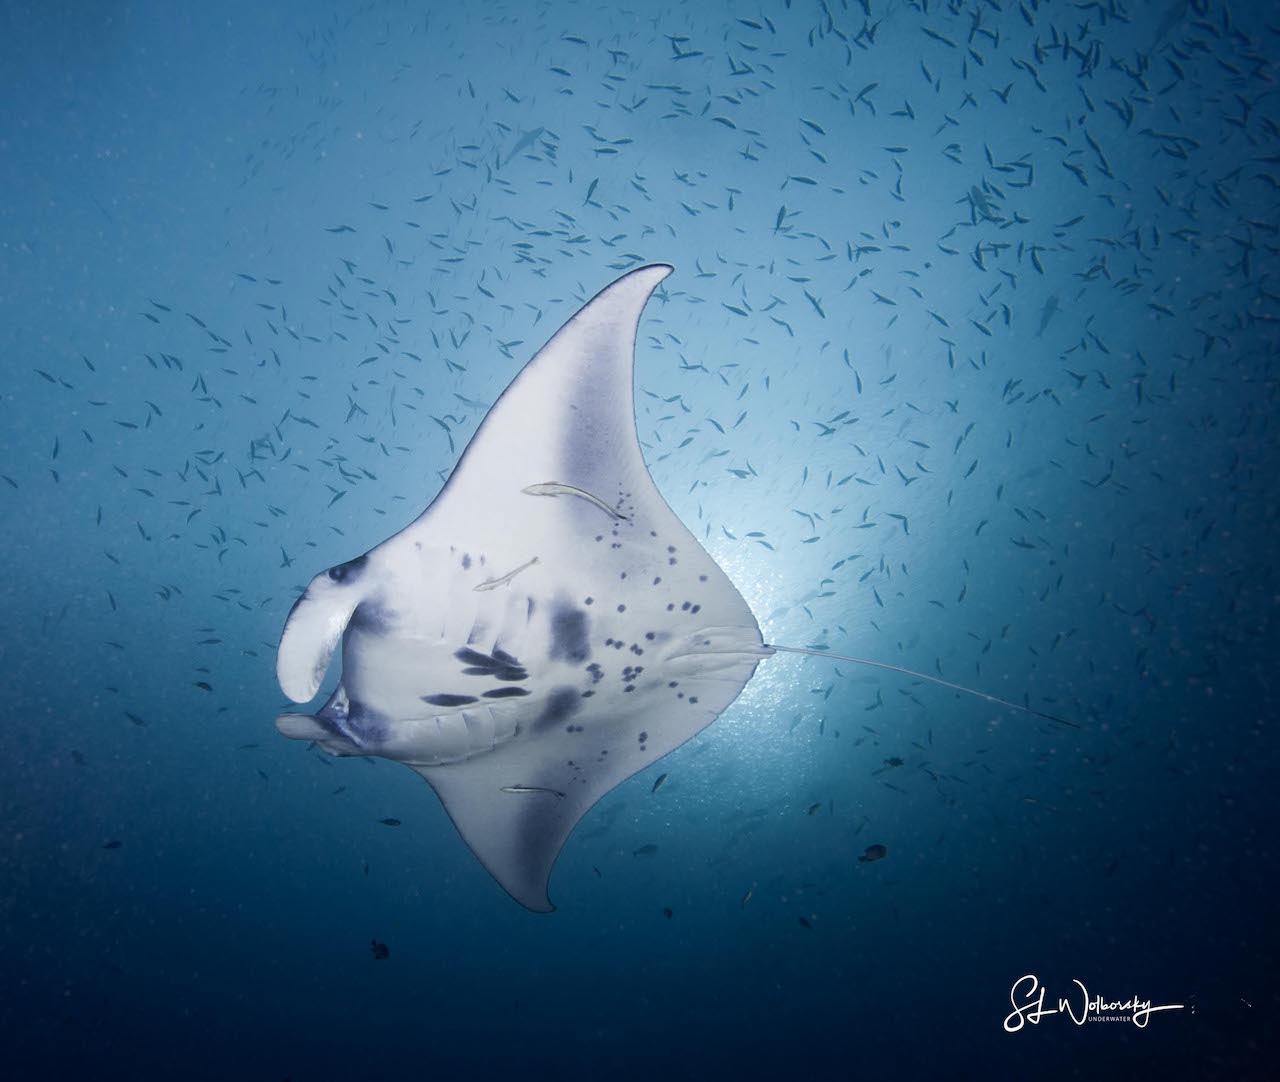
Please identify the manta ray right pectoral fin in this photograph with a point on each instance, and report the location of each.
(313, 629)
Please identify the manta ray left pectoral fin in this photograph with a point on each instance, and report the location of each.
(516, 829)
(314, 627)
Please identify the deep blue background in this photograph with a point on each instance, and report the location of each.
(1008, 271)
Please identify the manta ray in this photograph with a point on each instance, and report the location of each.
(546, 628)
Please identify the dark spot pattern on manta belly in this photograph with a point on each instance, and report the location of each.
(448, 700)
(499, 665)
(466, 561)
(569, 629)
(505, 693)
(562, 703)
(349, 571)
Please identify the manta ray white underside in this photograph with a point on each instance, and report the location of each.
(545, 629)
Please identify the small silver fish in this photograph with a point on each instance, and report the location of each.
(530, 789)
(493, 584)
(554, 488)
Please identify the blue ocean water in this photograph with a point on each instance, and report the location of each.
(967, 366)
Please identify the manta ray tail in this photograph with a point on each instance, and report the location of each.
(921, 676)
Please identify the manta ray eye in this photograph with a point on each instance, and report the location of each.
(349, 570)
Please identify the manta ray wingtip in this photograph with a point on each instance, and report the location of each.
(532, 896)
(656, 271)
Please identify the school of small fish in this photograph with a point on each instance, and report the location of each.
(941, 365)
